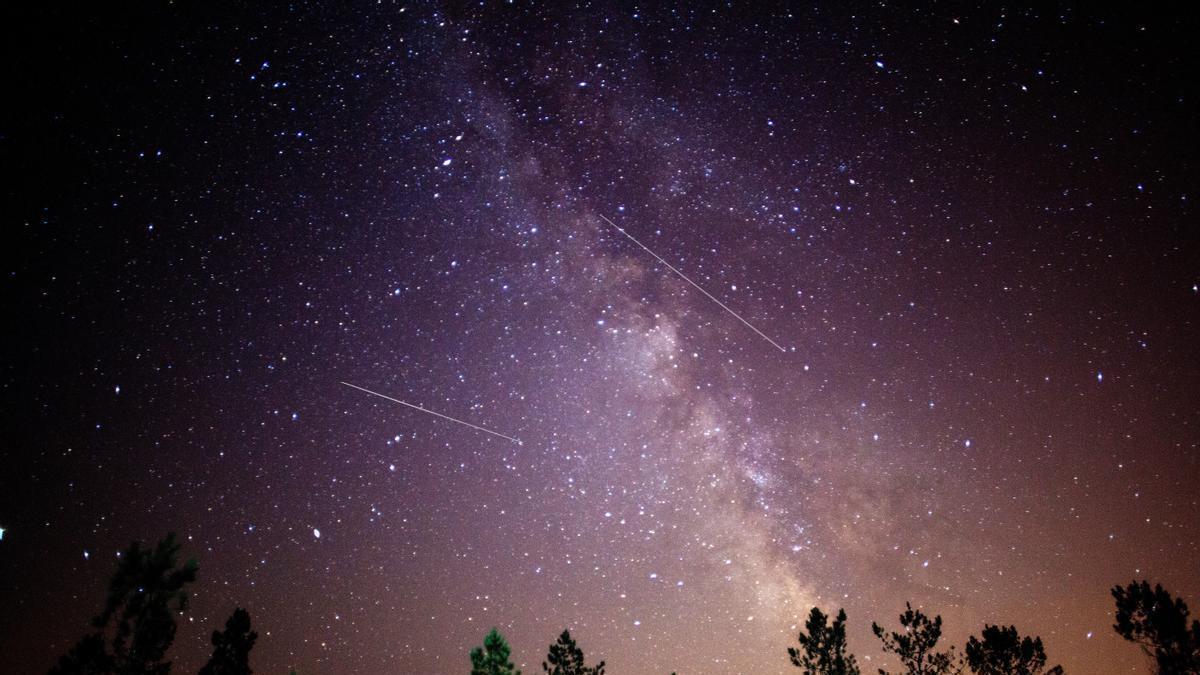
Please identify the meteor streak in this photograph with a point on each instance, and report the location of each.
(436, 414)
(694, 284)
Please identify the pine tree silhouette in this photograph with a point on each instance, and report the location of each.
(231, 648)
(915, 646)
(566, 658)
(1158, 623)
(492, 657)
(89, 656)
(144, 595)
(1002, 651)
(823, 647)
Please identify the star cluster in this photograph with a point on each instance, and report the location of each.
(968, 228)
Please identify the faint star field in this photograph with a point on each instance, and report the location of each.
(949, 354)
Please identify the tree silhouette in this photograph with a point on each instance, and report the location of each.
(915, 646)
(566, 658)
(492, 657)
(1158, 623)
(89, 656)
(144, 595)
(231, 648)
(1002, 651)
(823, 647)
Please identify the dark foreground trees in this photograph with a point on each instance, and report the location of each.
(492, 657)
(135, 630)
(231, 647)
(823, 646)
(566, 658)
(137, 626)
(915, 646)
(1158, 623)
(1150, 617)
(563, 658)
(1002, 651)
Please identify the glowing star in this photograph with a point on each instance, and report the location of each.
(316, 533)
(1099, 376)
(1, 534)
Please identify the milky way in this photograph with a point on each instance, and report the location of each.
(965, 234)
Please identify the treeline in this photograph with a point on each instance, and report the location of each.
(134, 631)
(1149, 617)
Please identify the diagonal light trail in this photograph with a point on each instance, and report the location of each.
(694, 284)
(437, 414)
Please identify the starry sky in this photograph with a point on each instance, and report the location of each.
(968, 227)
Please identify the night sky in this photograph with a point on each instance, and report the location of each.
(968, 227)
